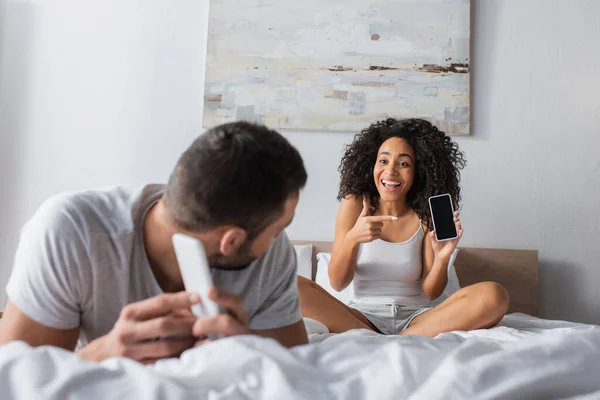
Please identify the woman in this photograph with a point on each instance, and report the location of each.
(385, 244)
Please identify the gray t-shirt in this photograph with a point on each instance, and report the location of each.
(81, 259)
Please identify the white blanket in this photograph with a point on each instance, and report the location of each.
(524, 358)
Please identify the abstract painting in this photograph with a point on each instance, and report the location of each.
(333, 65)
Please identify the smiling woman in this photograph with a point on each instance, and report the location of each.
(385, 244)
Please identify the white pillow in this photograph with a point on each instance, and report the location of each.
(304, 256)
(346, 295)
(313, 326)
(322, 279)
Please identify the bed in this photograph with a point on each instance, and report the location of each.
(525, 357)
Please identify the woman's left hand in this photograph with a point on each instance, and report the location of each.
(446, 248)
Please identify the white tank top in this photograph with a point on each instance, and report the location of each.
(390, 273)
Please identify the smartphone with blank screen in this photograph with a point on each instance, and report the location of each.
(442, 215)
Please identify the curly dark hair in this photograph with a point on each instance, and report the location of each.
(437, 169)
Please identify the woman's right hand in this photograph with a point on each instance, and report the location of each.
(367, 228)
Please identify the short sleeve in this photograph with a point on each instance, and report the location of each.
(45, 279)
(282, 304)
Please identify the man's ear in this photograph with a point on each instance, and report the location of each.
(233, 238)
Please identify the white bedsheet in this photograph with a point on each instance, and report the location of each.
(524, 358)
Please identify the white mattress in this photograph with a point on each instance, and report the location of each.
(524, 358)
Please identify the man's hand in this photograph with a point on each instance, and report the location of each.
(235, 322)
(149, 330)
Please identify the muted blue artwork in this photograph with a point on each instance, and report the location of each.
(338, 65)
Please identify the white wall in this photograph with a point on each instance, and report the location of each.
(96, 93)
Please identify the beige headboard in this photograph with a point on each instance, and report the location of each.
(516, 270)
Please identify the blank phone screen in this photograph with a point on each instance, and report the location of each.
(443, 217)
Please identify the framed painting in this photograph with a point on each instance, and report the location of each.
(329, 65)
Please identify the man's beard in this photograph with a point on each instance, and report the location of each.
(237, 262)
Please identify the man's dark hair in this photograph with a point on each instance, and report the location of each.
(237, 174)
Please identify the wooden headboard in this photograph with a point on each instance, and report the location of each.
(516, 270)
